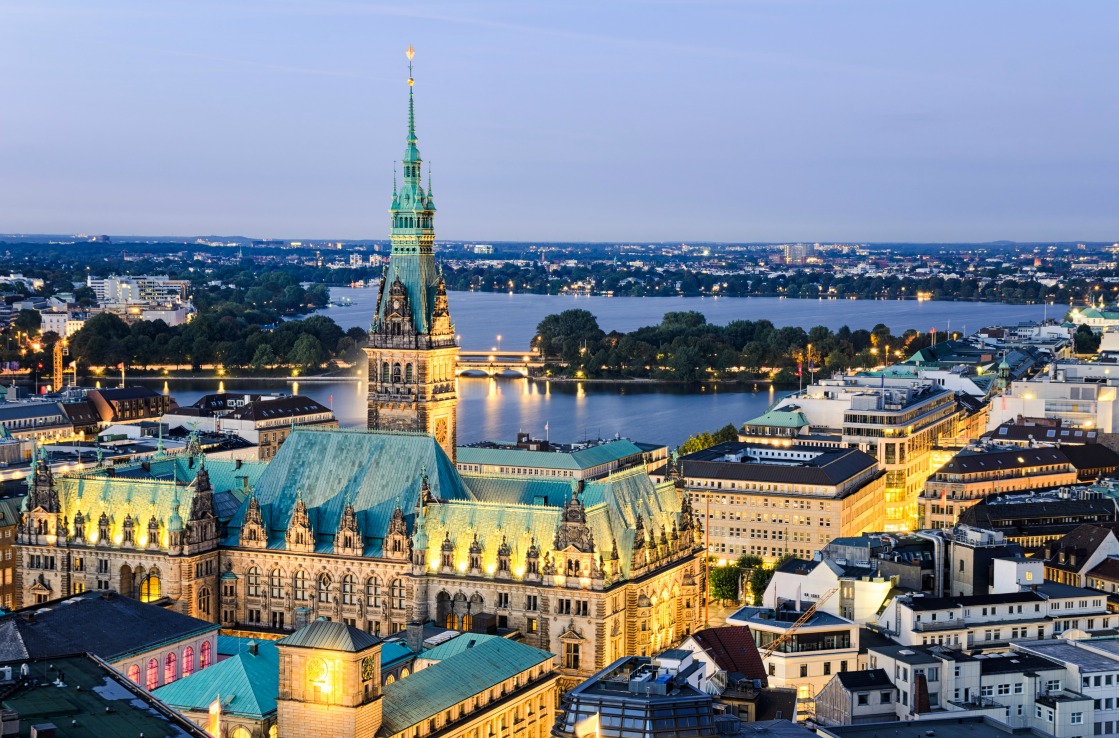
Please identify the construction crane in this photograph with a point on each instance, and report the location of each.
(804, 618)
(60, 350)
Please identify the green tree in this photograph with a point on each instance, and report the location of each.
(264, 357)
(576, 327)
(307, 352)
(750, 561)
(723, 582)
(759, 580)
(1085, 339)
(28, 320)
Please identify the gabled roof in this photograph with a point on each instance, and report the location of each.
(409, 701)
(732, 648)
(1107, 569)
(102, 623)
(1085, 540)
(247, 684)
(280, 407)
(331, 636)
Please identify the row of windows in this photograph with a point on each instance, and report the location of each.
(373, 589)
(171, 667)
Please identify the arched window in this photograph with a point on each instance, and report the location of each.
(404, 672)
(325, 584)
(170, 668)
(252, 582)
(149, 588)
(348, 590)
(134, 673)
(373, 592)
(450, 621)
(300, 585)
(276, 584)
(204, 601)
(384, 371)
(240, 732)
(407, 372)
(396, 373)
(152, 679)
(188, 661)
(390, 679)
(204, 657)
(467, 622)
(397, 593)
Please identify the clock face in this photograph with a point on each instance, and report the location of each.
(396, 304)
(368, 668)
(441, 430)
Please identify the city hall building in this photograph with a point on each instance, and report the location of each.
(375, 528)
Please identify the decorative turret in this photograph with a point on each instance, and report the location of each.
(640, 557)
(300, 536)
(253, 532)
(573, 531)
(447, 553)
(103, 530)
(202, 525)
(532, 562)
(418, 541)
(41, 494)
(153, 533)
(503, 553)
(396, 539)
(348, 540)
(128, 531)
(475, 556)
(79, 527)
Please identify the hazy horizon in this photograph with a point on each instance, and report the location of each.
(639, 121)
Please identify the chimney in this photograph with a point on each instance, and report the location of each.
(414, 635)
(253, 648)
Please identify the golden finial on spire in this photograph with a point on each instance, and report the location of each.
(410, 53)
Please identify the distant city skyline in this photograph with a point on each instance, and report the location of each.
(623, 122)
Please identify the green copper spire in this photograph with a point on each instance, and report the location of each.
(412, 277)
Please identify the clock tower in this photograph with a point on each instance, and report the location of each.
(412, 350)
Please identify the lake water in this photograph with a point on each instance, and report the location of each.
(499, 408)
(480, 317)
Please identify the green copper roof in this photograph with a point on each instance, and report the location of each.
(152, 490)
(602, 453)
(247, 684)
(393, 652)
(440, 686)
(330, 636)
(373, 471)
(455, 646)
(781, 419)
(510, 510)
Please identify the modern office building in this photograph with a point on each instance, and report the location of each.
(769, 500)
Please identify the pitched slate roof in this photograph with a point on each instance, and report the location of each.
(865, 679)
(827, 467)
(247, 683)
(102, 623)
(1084, 539)
(1107, 569)
(280, 407)
(331, 636)
(430, 691)
(975, 462)
(732, 648)
(373, 471)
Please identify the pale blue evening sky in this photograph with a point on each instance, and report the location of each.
(763, 120)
